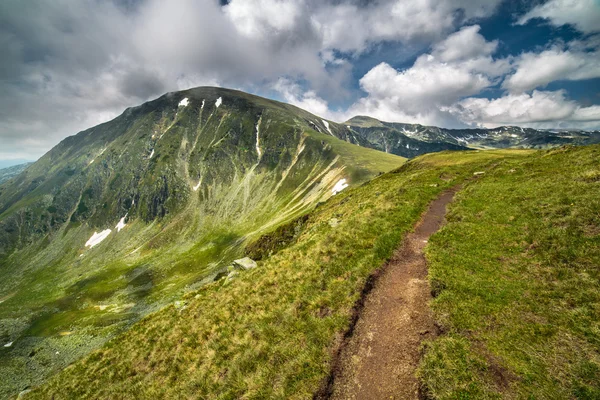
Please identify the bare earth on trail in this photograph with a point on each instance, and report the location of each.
(379, 359)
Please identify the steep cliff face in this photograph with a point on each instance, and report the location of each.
(119, 219)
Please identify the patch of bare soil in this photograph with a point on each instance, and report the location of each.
(379, 356)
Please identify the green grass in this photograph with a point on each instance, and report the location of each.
(269, 333)
(176, 239)
(517, 270)
(359, 159)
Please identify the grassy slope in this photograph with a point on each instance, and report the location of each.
(60, 300)
(517, 271)
(269, 332)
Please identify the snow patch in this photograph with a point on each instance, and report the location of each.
(184, 102)
(219, 102)
(327, 126)
(97, 238)
(198, 185)
(121, 224)
(339, 186)
(202, 106)
(258, 150)
(8, 344)
(151, 154)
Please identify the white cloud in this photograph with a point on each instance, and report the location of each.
(453, 70)
(351, 27)
(539, 109)
(463, 45)
(69, 65)
(538, 69)
(261, 18)
(583, 14)
(307, 100)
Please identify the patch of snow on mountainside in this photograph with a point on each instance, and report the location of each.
(97, 238)
(258, 150)
(219, 102)
(339, 186)
(327, 126)
(121, 224)
(184, 102)
(151, 154)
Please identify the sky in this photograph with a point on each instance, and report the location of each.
(67, 65)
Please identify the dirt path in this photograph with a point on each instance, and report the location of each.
(379, 359)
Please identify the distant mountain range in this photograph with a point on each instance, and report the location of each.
(10, 172)
(410, 140)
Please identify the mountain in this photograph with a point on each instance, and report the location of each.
(13, 162)
(411, 140)
(122, 218)
(10, 172)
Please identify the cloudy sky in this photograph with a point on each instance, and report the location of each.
(66, 65)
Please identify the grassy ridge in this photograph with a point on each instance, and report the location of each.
(269, 332)
(193, 187)
(517, 269)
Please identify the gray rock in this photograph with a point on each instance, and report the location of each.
(245, 263)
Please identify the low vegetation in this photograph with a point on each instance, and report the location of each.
(514, 273)
(517, 273)
(270, 332)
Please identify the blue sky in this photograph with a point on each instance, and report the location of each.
(71, 64)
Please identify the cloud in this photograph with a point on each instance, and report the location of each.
(453, 70)
(293, 93)
(463, 45)
(68, 65)
(538, 69)
(353, 26)
(582, 14)
(538, 109)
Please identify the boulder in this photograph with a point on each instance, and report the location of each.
(245, 263)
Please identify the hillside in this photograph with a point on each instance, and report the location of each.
(119, 220)
(411, 140)
(514, 273)
(10, 172)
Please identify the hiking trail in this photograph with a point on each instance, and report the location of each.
(379, 356)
